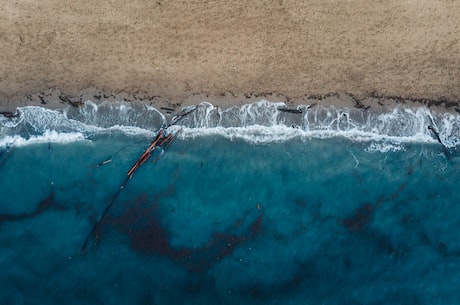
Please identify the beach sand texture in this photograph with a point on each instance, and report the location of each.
(175, 49)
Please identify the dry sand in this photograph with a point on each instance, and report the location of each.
(180, 52)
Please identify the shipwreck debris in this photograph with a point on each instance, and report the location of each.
(177, 118)
(162, 140)
(445, 150)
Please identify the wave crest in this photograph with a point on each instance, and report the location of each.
(260, 122)
(256, 122)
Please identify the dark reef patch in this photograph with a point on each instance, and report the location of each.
(360, 219)
(140, 221)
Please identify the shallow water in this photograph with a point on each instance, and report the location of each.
(219, 219)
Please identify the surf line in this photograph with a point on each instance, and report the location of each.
(162, 140)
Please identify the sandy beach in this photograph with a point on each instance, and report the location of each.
(175, 53)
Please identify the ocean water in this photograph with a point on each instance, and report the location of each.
(248, 205)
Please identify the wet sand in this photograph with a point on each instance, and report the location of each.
(174, 53)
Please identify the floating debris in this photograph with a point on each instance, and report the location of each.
(177, 118)
(109, 159)
(167, 109)
(435, 133)
(445, 150)
(290, 110)
(9, 114)
(104, 162)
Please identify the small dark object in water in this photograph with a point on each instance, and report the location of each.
(8, 114)
(167, 109)
(410, 170)
(289, 110)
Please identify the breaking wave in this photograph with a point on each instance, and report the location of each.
(263, 122)
(49, 136)
(258, 123)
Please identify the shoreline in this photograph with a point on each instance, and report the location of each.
(56, 99)
(334, 114)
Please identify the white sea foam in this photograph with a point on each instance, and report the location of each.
(108, 114)
(258, 134)
(34, 124)
(49, 136)
(262, 122)
(257, 123)
(383, 147)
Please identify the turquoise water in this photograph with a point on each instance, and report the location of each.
(228, 216)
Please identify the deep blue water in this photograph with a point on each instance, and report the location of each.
(220, 219)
